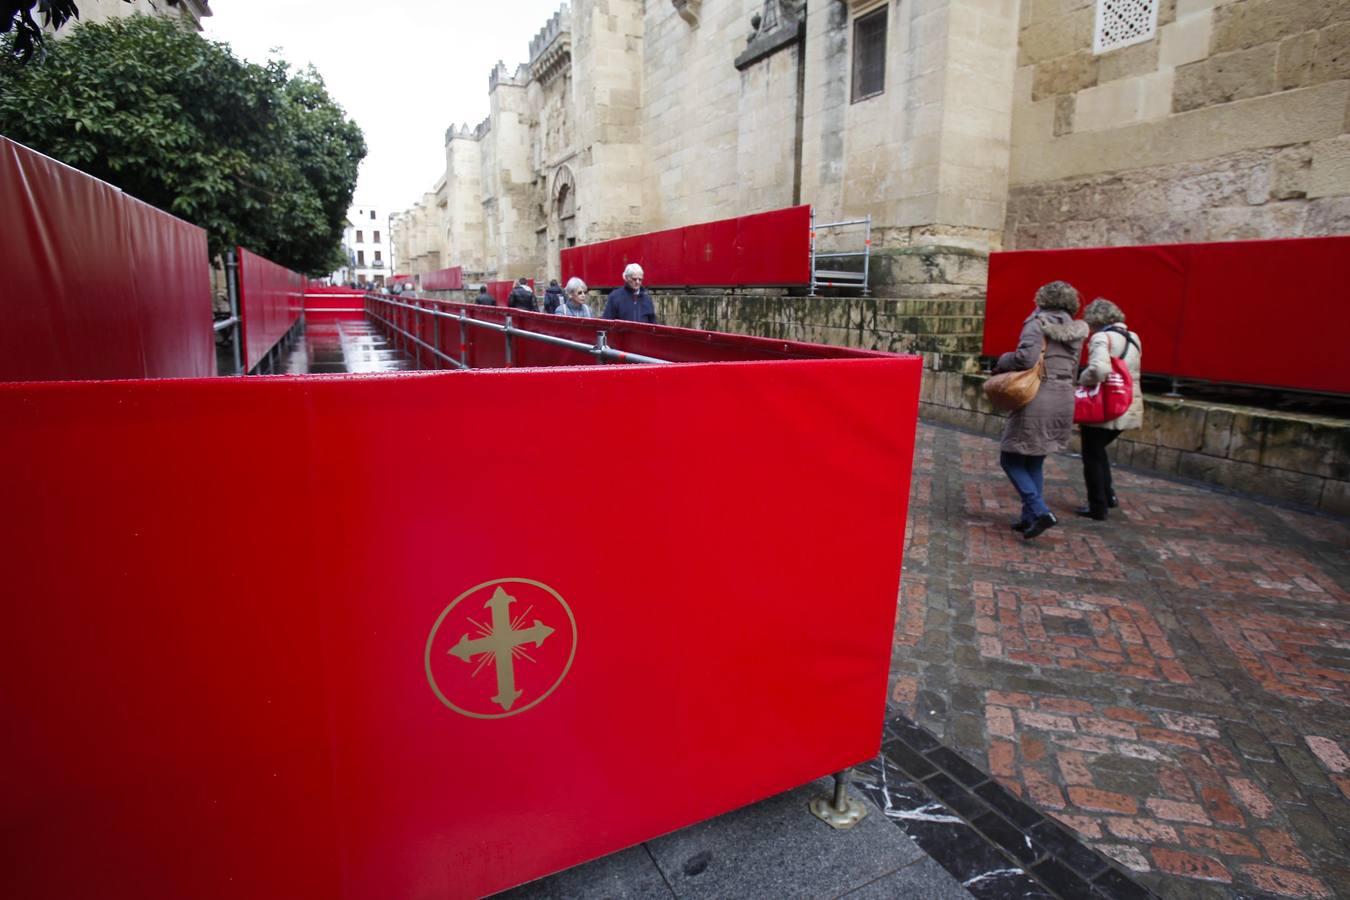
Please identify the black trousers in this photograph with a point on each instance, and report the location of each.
(1097, 466)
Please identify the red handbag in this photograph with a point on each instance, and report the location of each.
(1109, 400)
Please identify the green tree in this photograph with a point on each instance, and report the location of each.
(257, 155)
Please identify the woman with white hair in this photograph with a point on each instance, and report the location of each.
(631, 302)
(574, 299)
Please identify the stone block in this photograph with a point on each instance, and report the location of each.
(1330, 172)
(1064, 113)
(1186, 40)
(1226, 77)
(1107, 106)
(1294, 61)
(1296, 487)
(1201, 467)
(1167, 460)
(1138, 59)
(1056, 37)
(1238, 26)
(1335, 497)
(1064, 75)
(1328, 215)
(1303, 445)
(1218, 432)
(1332, 59)
(1291, 173)
(1143, 456)
(1246, 437)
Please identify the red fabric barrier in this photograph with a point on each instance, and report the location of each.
(772, 248)
(1202, 311)
(283, 713)
(271, 298)
(100, 285)
(451, 279)
(330, 303)
(485, 348)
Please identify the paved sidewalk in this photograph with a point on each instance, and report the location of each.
(1173, 685)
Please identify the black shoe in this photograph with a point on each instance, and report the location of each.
(1087, 513)
(1042, 524)
(1112, 502)
(1020, 526)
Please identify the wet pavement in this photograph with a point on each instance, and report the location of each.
(340, 347)
(1156, 704)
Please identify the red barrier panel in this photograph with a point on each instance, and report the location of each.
(99, 285)
(772, 248)
(293, 712)
(486, 348)
(451, 279)
(271, 298)
(1203, 311)
(328, 303)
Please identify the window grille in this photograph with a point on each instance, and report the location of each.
(869, 55)
(1121, 23)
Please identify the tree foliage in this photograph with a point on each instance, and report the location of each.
(257, 155)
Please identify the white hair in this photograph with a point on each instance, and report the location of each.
(632, 269)
(574, 285)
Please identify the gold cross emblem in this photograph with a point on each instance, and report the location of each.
(502, 642)
(521, 628)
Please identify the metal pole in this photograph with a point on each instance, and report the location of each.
(510, 347)
(867, 252)
(232, 292)
(417, 350)
(841, 812)
(601, 347)
(463, 343)
(813, 251)
(436, 337)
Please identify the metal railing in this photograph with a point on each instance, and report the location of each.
(600, 349)
(234, 321)
(835, 277)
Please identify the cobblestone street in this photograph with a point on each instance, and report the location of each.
(1171, 684)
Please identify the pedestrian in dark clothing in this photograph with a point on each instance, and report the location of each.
(522, 297)
(553, 295)
(484, 298)
(630, 302)
(1045, 424)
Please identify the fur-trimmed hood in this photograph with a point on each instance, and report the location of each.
(1064, 332)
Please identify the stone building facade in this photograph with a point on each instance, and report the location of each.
(985, 124)
(189, 12)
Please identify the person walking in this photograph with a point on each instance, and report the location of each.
(553, 295)
(1045, 424)
(484, 298)
(522, 297)
(574, 300)
(630, 302)
(1110, 337)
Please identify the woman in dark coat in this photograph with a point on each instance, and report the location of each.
(1045, 424)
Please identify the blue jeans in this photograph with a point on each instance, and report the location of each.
(1025, 474)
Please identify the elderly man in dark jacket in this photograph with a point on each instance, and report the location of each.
(1045, 424)
(630, 302)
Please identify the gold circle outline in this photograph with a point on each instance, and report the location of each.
(426, 656)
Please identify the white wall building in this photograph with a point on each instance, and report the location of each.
(370, 252)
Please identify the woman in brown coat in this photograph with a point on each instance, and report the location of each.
(1045, 424)
(1110, 338)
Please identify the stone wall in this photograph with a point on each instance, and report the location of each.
(1229, 123)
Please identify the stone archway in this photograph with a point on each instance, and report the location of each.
(562, 218)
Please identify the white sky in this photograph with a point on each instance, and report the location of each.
(403, 69)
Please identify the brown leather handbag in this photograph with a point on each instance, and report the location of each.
(1010, 391)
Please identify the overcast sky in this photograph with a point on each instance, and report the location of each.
(403, 69)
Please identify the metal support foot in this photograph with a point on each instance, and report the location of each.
(841, 812)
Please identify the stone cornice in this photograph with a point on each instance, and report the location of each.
(781, 23)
